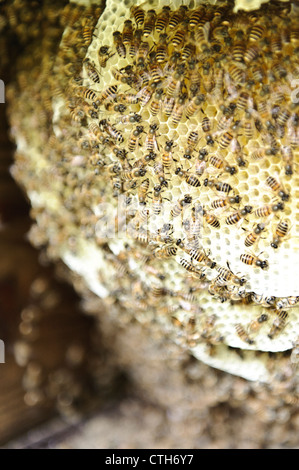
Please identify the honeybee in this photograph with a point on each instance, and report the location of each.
(91, 71)
(193, 106)
(178, 39)
(288, 157)
(211, 219)
(253, 260)
(198, 272)
(135, 43)
(151, 143)
(199, 256)
(195, 16)
(279, 323)
(251, 54)
(130, 118)
(142, 53)
(162, 19)
(177, 16)
(238, 215)
(174, 83)
(192, 139)
(179, 205)
(161, 50)
(188, 51)
(276, 186)
(134, 137)
(107, 95)
(256, 324)
(267, 210)
(280, 233)
(156, 102)
(149, 22)
(243, 334)
(159, 171)
(227, 275)
(178, 109)
(206, 124)
(104, 55)
(142, 191)
(165, 251)
(166, 155)
(157, 202)
(131, 174)
(225, 140)
(139, 15)
(111, 130)
(119, 45)
(225, 202)
(218, 163)
(127, 34)
(168, 105)
(256, 32)
(190, 178)
(145, 95)
(252, 237)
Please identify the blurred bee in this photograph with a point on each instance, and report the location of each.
(256, 324)
(253, 260)
(226, 202)
(162, 19)
(87, 33)
(228, 276)
(165, 251)
(157, 201)
(251, 54)
(278, 324)
(243, 334)
(91, 71)
(276, 186)
(149, 22)
(156, 102)
(130, 118)
(280, 233)
(195, 16)
(179, 205)
(242, 101)
(190, 178)
(86, 93)
(177, 17)
(193, 106)
(238, 51)
(288, 157)
(224, 122)
(178, 39)
(166, 155)
(238, 215)
(252, 237)
(268, 209)
(178, 109)
(188, 51)
(142, 191)
(134, 137)
(199, 255)
(198, 272)
(151, 143)
(104, 55)
(119, 45)
(237, 74)
(256, 32)
(139, 15)
(127, 33)
(206, 124)
(129, 98)
(248, 130)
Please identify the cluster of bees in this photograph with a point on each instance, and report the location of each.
(225, 78)
(186, 116)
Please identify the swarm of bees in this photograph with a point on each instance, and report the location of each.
(186, 116)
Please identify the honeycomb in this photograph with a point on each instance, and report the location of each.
(168, 175)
